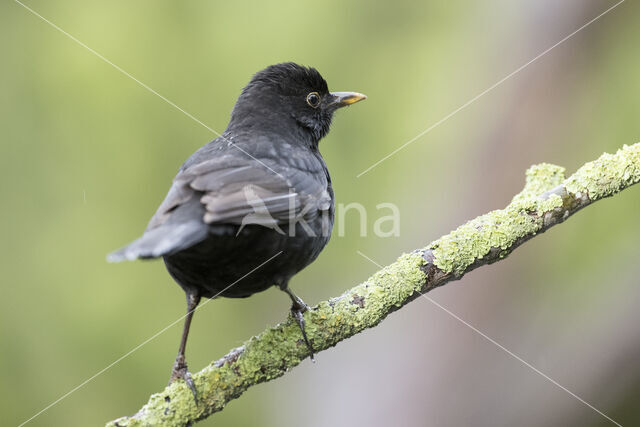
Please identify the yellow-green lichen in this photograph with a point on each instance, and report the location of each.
(541, 178)
(525, 215)
(390, 287)
(501, 228)
(548, 204)
(608, 174)
(172, 407)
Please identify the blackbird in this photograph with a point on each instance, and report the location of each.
(254, 206)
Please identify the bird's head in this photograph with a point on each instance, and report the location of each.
(289, 97)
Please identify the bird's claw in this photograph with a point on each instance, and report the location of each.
(297, 310)
(180, 371)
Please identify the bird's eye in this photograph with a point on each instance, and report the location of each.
(313, 99)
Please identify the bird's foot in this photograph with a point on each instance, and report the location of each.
(297, 310)
(180, 371)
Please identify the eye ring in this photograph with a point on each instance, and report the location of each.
(313, 99)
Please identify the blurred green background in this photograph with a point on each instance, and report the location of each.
(87, 154)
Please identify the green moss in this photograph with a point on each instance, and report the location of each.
(608, 174)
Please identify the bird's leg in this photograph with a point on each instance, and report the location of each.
(298, 307)
(180, 366)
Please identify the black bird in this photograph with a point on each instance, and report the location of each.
(254, 206)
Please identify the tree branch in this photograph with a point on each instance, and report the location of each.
(546, 200)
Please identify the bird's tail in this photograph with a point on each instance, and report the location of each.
(163, 240)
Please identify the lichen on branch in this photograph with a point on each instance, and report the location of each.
(547, 199)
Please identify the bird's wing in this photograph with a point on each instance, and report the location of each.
(230, 189)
